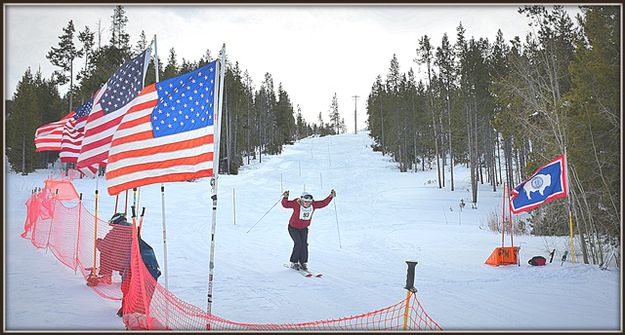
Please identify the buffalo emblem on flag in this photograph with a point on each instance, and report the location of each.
(538, 183)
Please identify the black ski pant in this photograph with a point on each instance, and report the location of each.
(300, 247)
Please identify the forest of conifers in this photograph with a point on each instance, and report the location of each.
(509, 106)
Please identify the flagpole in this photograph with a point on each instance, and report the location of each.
(217, 132)
(568, 195)
(156, 74)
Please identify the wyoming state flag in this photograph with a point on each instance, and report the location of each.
(546, 184)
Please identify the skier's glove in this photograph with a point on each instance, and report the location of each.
(285, 194)
(333, 193)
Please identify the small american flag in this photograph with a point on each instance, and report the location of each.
(73, 132)
(167, 134)
(111, 103)
(48, 137)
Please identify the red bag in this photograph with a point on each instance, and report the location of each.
(537, 261)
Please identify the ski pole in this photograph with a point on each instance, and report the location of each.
(141, 219)
(337, 222)
(274, 205)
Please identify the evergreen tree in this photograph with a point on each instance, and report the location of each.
(425, 56)
(21, 125)
(171, 69)
(120, 39)
(86, 37)
(142, 44)
(335, 117)
(63, 57)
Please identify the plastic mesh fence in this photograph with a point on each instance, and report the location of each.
(68, 230)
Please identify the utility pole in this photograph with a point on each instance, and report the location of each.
(355, 113)
(99, 33)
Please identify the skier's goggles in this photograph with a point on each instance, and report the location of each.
(307, 199)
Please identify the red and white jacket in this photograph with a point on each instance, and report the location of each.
(296, 220)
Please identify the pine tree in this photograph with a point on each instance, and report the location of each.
(63, 57)
(445, 62)
(120, 39)
(424, 56)
(21, 126)
(142, 44)
(171, 69)
(86, 37)
(335, 117)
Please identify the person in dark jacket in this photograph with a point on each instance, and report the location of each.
(303, 210)
(114, 249)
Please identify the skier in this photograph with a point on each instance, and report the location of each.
(303, 208)
(114, 250)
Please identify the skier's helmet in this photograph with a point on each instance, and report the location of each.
(307, 197)
(120, 219)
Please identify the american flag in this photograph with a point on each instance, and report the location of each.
(71, 141)
(73, 132)
(111, 103)
(48, 137)
(167, 134)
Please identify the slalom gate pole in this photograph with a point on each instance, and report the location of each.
(234, 207)
(116, 199)
(267, 212)
(410, 290)
(221, 65)
(95, 236)
(503, 214)
(138, 198)
(511, 222)
(337, 222)
(164, 234)
(162, 197)
(141, 219)
(135, 235)
(134, 197)
(56, 194)
(126, 204)
(78, 234)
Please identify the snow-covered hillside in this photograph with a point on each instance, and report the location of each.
(384, 218)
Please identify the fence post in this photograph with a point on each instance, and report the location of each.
(410, 289)
(77, 234)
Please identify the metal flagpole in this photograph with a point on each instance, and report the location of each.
(221, 65)
(156, 76)
(568, 195)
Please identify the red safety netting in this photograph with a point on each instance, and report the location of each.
(69, 231)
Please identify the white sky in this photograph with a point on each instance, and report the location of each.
(313, 50)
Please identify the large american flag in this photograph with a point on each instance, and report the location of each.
(167, 133)
(48, 137)
(111, 103)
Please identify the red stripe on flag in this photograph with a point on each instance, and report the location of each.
(161, 165)
(113, 190)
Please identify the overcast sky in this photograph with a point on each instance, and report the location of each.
(313, 50)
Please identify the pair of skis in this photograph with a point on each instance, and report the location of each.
(563, 256)
(305, 273)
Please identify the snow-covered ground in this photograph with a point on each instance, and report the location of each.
(384, 218)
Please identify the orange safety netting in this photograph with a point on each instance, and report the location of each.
(69, 230)
(62, 189)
